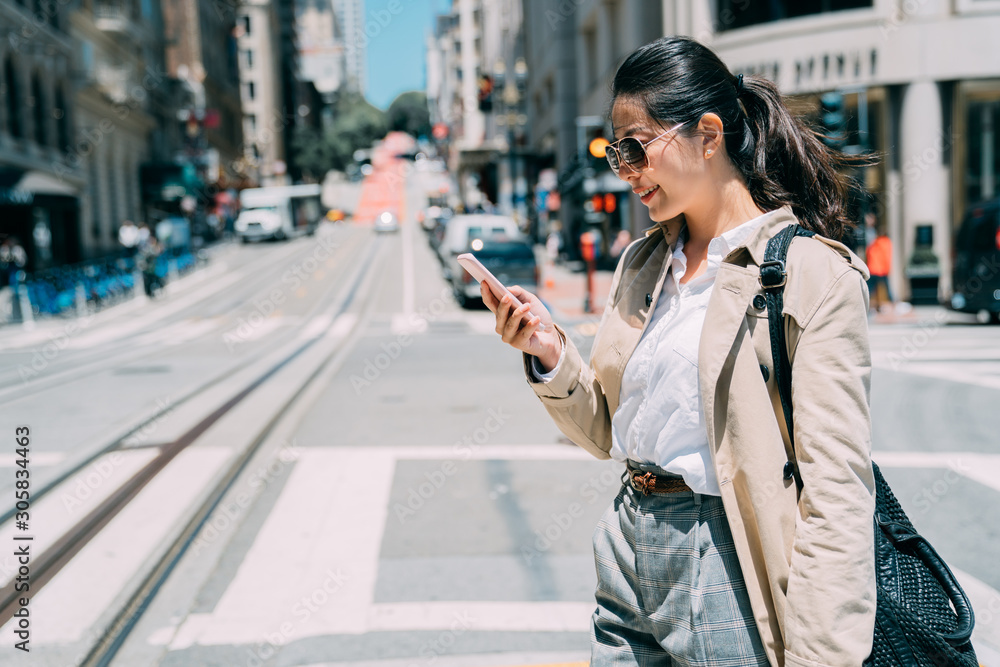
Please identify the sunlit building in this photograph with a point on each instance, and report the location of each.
(264, 120)
(920, 82)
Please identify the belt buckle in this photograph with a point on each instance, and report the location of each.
(644, 483)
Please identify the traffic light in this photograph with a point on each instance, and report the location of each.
(596, 143)
(833, 120)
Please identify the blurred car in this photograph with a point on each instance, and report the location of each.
(512, 261)
(386, 223)
(461, 230)
(976, 273)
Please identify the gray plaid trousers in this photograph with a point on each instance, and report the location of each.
(669, 586)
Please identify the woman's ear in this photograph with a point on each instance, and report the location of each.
(711, 131)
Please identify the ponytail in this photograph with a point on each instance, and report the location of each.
(782, 160)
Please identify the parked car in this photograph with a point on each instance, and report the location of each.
(512, 261)
(976, 273)
(386, 223)
(462, 230)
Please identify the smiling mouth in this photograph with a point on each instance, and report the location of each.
(646, 194)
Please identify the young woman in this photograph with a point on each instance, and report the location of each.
(717, 550)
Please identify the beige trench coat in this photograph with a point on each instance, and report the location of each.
(807, 557)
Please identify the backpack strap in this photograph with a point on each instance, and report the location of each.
(772, 279)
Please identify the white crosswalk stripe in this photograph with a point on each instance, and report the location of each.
(969, 354)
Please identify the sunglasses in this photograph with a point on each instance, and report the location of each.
(631, 152)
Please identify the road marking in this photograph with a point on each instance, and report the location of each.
(409, 280)
(982, 468)
(57, 511)
(76, 600)
(316, 326)
(477, 452)
(37, 459)
(481, 616)
(986, 605)
(328, 555)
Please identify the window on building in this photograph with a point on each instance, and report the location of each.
(251, 91)
(983, 150)
(40, 117)
(614, 28)
(13, 94)
(248, 58)
(245, 24)
(732, 14)
(251, 123)
(63, 138)
(590, 54)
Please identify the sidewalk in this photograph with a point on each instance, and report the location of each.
(563, 291)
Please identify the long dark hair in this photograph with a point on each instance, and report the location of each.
(782, 160)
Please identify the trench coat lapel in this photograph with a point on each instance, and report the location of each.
(734, 287)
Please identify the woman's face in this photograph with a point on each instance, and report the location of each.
(676, 170)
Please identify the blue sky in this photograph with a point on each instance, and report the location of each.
(396, 31)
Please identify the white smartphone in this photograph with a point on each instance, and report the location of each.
(481, 273)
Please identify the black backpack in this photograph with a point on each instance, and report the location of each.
(923, 617)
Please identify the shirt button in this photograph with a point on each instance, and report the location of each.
(649, 300)
(788, 472)
(765, 372)
(759, 302)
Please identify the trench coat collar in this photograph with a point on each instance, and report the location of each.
(771, 223)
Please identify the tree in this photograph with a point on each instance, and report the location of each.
(408, 113)
(356, 124)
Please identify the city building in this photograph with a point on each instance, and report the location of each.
(264, 117)
(456, 93)
(321, 45)
(920, 84)
(572, 50)
(201, 52)
(350, 17)
(121, 59)
(42, 166)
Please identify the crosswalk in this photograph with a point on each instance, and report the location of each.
(933, 347)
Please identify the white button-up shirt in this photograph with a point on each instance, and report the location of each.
(660, 419)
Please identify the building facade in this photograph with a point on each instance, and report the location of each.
(350, 17)
(42, 171)
(121, 54)
(201, 52)
(572, 51)
(921, 86)
(321, 45)
(264, 119)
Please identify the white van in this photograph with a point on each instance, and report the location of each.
(278, 212)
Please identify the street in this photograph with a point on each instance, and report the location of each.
(380, 487)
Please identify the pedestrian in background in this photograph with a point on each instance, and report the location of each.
(725, 545)
(148, 253)
(878, 256)
(13, 259)
(128, 238)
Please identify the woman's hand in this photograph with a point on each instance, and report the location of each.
(533, 335)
